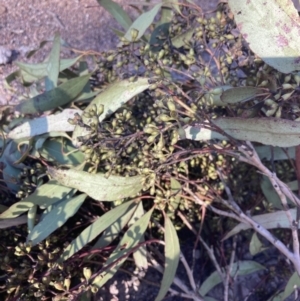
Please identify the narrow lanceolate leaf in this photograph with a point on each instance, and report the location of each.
(181, 39)
(38, 71)
(268, 131)
(275, 153)
(59, 151)
(139, 256)
(240, 94)
(55, 218)
(96, 228)
(143, 22)
(9, 172)
(45, 195)
(117, 12)
(97, 186)
(53, 63)
(293, 283)
(59, 96)
(112, 98)
(113, 230)
(275, 41)
(238, 268)
(51, 123)
(130, 239)
(172, 254)
(272, 220)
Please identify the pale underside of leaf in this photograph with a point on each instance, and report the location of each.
(272, 220)
(45, 195)
(272, 30)
(268, 131)
(45, 124)
(98, 186)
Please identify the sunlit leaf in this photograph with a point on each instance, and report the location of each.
(113, 230)
(45, 124)
(45, 195)
(112, 98)
(96, 228)
(55, 218)
(97, 186)
(172, 254)
(59, 96)
(238, 268)
(130, 239)
(269, 131)
(175, 189)
(272, 30)
(143, 22)
(38, 71)
(117, 12)
(274, 220)
(53, 64)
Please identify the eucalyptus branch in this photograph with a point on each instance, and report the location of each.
(283, 192)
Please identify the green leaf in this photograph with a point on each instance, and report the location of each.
(175, 189)
(272, 196)
(292, 285)
(268, 131)
(44, 195)
(156, 44)
(172, 254)
(140, 255)
(117, 12)
(60, 151)
(45, 124)
(256, 245)
(38, 71)
(143, 22)
(92, 231)
(130, 239)
(59, 96)
(9, 172)
(272, 220)
(11, 222)
(97, 186)
(182, 39)
(238, 268)
(113, 230)
(55, 218)
(53, 64)
(112, 98)
(240, 94)
(275, 153)
(280, 34)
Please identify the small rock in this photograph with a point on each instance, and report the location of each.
(5, 55)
